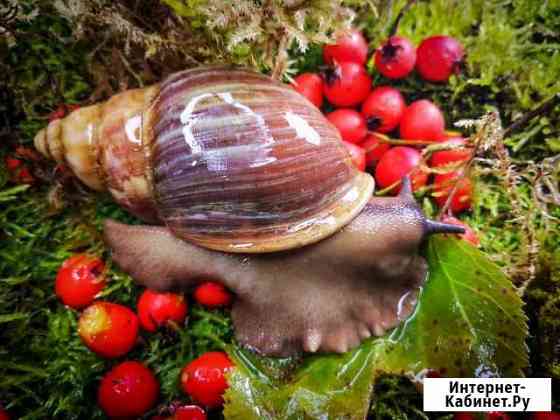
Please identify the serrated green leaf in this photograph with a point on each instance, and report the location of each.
(468, 322)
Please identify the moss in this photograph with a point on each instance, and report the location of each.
(52, 56)
(397, 398)
(543, 300)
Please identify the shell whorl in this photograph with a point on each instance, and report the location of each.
(71, 141)
(240, 163)
(101, 144)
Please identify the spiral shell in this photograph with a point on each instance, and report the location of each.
(227, 158)
(241, 163)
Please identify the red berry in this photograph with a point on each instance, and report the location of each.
(350, 46)
(464, 416)
(157, 309)
(383, 109)
(422, 120)
(189, 412)
(395, 58)
(546, 415)
(79, 280)
(310, 85)
(4, 415)
(350, 123)
(431, 373)
(128, 390)
(58, 113)
(469, 235)
(397, 163)
(452, 156)
(212, 294)
(204, 378)
(19, 172)
(373, 148)
(62, 111)
(25, 176)
(497, 415)
(108, 329)
(438, 57)
(463, 194)
(12, 163)
(357, 154)
(27, 153)
(347, 84)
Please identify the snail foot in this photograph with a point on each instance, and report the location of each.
(297, 306)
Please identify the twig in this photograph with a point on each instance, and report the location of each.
(464, 171)
(130, 70)
(281, 59)
(381, 138)
(544, 108)
(405, 8)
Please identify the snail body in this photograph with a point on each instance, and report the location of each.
(254, 188)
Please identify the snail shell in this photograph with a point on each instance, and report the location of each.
(227, 158)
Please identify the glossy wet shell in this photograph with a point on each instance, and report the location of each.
(240, 163)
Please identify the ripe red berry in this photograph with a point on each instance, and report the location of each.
(395, 58)
(383, 109)
(4, 415)
(27, 153)
(546, 415)
(310, 85)
(398, 162)
(422, 120)
(18, 171)
(184, 412)
(452, 156)
(128, 390)
(374, 149)
(204, 378)
(497, 415)
(12, 163)
(108, 329)
(58, 113)
(189, 412)
(462, 199)
(350, 123)
(431, 373)
(158, 309)
(464, 416)
(469, 235)
(79, 280)
(357, 154)
(350, 46)
(346, 84)
(212, 294)
(438, 57)
(62, 110)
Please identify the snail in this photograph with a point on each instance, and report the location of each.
(241, 179)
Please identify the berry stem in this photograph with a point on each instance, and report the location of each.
(402, 12)
(381, 138)
(544, 108)
(462, 173)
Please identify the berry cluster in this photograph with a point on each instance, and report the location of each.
(111, 330)
(365, 116)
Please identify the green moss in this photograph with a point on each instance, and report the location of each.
(543, 300)
(396, 397)
(48, 66)
(45, 372)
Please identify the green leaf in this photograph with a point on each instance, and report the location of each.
(468, 322)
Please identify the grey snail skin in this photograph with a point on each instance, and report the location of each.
(242, 180)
